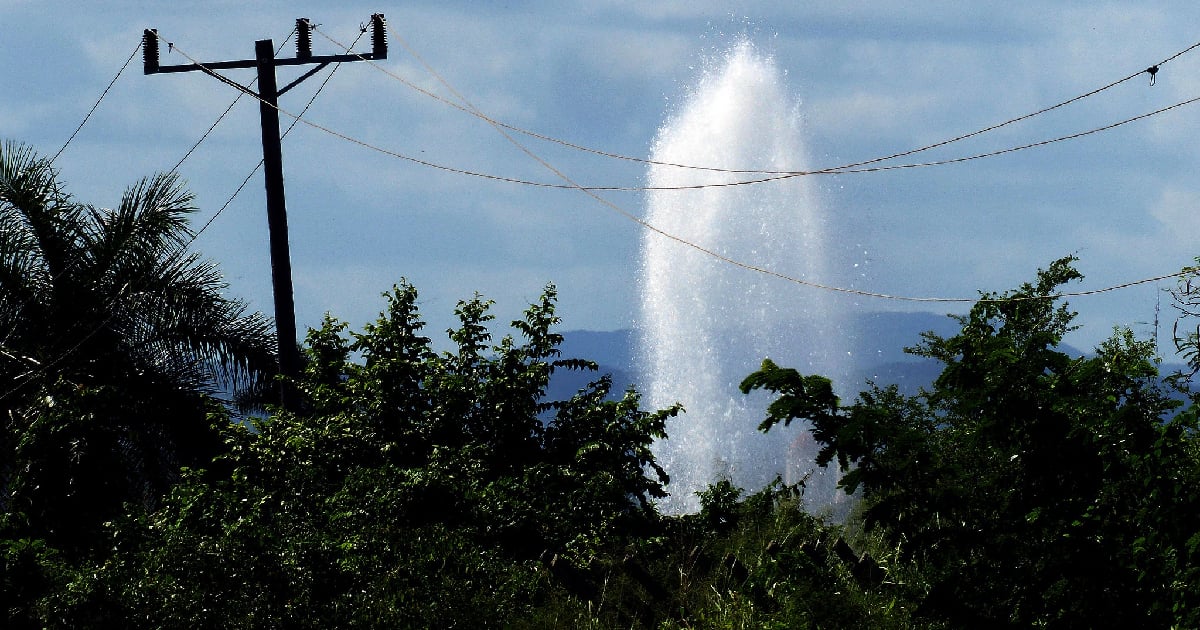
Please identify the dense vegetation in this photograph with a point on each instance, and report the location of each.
(111, 335)
(419, 489)
(1030, 487)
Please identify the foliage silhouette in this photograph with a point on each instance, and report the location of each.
(1031, 486)
(418, 490)
(111, 336)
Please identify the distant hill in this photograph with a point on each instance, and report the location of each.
(875, 340)
(614, 351)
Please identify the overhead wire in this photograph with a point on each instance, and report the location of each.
(776, 174)
(365, 144)
(97, 103)
(625, 213)
(210, 129)
(43, 367)
(1028, 116)
(794, 172)
(1041, 143)
(777, 177)
(470, 109)
(592, 190)
(287, 131)
(243, 90)
(58, 153)
(182, 250)
(55, 157)
(181, 160)
(707, 251)
(772, 176)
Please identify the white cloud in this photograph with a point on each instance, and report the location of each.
(1178, 211)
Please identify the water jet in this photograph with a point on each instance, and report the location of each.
(705, 324)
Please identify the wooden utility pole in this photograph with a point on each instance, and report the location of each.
(268, 96)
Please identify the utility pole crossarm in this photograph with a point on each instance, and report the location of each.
(230, 65)
(150, 51)
(268, 95)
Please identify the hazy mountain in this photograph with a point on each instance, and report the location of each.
(876, 341)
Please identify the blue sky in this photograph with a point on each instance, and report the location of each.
(871, 79)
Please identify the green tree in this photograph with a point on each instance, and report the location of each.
(111, 335)
(1033, 487)
(418, 490)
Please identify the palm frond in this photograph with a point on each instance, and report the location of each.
(181, 317)
(26, 179)
(34, 206)
(150, 221)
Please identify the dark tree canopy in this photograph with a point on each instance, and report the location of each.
(1033, 487)
(418, 489)
(111, 334)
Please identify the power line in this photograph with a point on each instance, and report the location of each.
(1030, 115)
(209, 131)
(777, 175)
(97, 103)
(244, 89)
(173, 169)
(717, 255)
(590, 191)
(58, 153)
(287, 131)
(50, 163)
(266, 62)
(852, 168)
(44, 367)
(842, 168)
(876, 169)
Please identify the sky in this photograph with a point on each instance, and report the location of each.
(869, 79)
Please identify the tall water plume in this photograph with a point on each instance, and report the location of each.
(705, 324)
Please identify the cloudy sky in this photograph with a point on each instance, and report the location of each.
(871, 79)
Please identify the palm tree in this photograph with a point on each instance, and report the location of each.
(114, 340)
